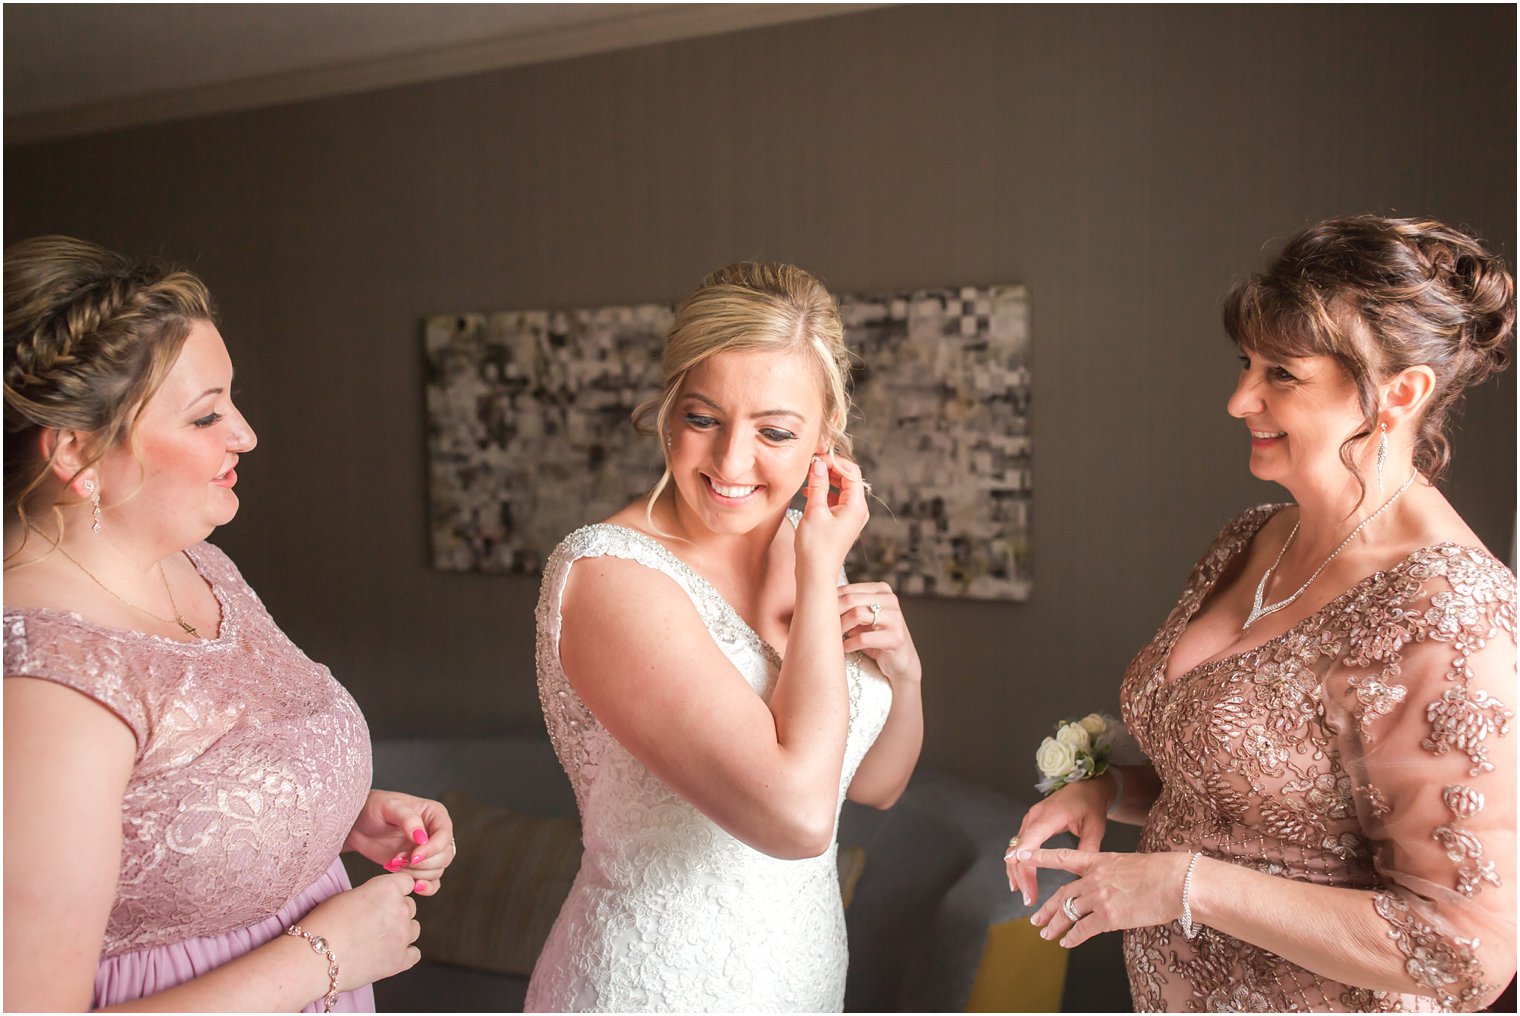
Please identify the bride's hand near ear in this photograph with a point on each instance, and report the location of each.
(830, 522)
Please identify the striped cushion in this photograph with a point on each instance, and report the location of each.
(501, 895)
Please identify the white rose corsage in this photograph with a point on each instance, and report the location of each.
(1080, 750)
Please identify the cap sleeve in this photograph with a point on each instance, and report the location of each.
(57, 649)
(1422, 701)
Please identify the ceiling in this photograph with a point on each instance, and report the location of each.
(81, 68)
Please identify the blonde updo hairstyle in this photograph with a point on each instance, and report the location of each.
(752, 306)
(90, 336)
(1379, 296)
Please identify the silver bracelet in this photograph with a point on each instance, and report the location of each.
(1113, 805)
(319, 946)
(1188, 929)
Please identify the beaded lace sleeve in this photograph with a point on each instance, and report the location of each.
(53, 647)
(1421, 699)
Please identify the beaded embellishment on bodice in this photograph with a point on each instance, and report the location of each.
(669, 911)
(1353, 750)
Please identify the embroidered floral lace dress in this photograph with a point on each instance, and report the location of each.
(252, 764)
(1359, 749)
(669, 912)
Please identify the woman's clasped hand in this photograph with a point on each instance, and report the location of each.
(400, 832)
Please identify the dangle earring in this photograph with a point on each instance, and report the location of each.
(1382, 458)
(94, 492)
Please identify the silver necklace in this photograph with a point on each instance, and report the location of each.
(1259, 610)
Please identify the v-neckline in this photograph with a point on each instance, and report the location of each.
(1159, 678)
(728, 610)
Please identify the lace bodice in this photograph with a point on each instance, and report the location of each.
(1361, 748)
(669, 912)
(252, 761)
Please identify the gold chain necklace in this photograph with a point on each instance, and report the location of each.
(178, 618)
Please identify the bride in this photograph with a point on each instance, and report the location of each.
(696, 686)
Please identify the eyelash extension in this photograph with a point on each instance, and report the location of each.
(208, 420)
(777, 434)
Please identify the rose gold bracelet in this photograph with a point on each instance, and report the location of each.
(319, 946)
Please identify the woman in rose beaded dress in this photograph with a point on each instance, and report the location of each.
(1326, 710)
(179, 777)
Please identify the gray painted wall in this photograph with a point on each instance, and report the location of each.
(1124, 164)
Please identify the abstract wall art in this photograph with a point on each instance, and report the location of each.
(529, 434)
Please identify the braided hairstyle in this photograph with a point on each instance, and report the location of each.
(89, 337)
(1380, 295)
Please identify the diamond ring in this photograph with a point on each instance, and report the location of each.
(875, 612)
(1069, 908)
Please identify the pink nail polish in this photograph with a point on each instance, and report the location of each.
(417, 858)
(419, 836)
(391, 866)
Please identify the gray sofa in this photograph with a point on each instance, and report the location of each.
(933, 881)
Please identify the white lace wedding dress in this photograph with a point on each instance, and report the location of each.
(669, 912)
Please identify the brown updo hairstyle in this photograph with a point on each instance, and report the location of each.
(1380, 295)
(89, 337)
(749, 306)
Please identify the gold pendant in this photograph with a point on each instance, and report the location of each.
(189, 628)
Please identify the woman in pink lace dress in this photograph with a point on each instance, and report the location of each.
(179, 777)
(1329, 807)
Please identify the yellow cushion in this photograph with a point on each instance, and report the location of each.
(1019, 972)
(851, 862)
(499, 898)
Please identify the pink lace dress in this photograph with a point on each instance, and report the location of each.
(1363, 748)
(252, 764)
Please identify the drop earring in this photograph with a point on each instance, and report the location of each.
(1382, 458)
(94, 492)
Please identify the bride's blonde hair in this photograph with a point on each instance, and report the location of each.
(745, 307)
